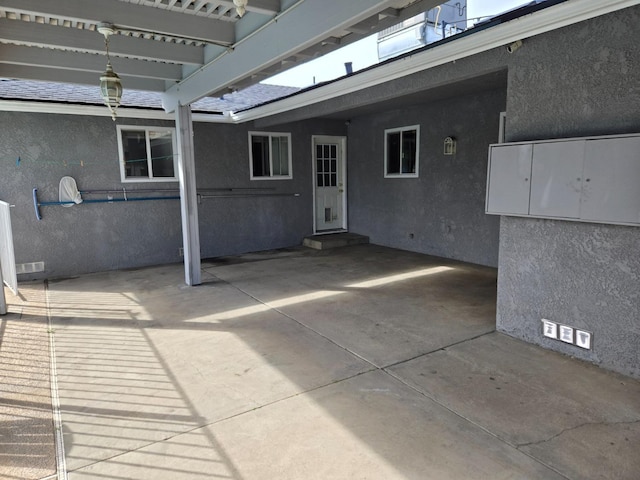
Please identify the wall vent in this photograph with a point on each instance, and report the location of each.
(33, 267)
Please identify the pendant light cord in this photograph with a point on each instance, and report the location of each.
(106, 44)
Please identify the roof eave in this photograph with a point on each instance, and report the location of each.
(102, 111)
(541, 21)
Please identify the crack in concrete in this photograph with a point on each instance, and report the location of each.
(439, 349)
(280, 312)
(569, 429)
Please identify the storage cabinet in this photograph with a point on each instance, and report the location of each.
(594, 179)
(611, 188)
(510, 175)
(556, 179)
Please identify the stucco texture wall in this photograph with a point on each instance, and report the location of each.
(106, 236)
(236, 225)
(442, 212)
(87, 237)
(578, 81)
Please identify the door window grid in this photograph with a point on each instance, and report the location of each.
(327, 165)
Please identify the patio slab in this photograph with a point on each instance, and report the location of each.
(382, 306)
(367, 427)
(581, 420)
(136, 367)
(358, 362)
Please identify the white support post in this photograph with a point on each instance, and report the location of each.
(3, 300)
(188, 196)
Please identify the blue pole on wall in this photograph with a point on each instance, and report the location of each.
(37, 205)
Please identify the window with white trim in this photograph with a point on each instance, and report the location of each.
(270, 155)
(401, 151)
(147, 154)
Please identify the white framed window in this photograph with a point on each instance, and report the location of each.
(270, 155)
(147, 154)
(401, 151)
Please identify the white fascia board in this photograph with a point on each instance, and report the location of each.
(304, 24)
(100, 111)
(551, 18)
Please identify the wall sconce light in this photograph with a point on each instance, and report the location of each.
(110, 85)
(450, 146)
(240, 6)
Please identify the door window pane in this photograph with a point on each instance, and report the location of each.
(327, 165)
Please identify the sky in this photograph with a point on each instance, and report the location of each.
(365, 53)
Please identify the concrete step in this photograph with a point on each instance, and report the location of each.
(334, 240)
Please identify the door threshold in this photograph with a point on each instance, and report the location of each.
(329, 232)
(338, 239)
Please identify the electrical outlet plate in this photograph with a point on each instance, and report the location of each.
(31, 267)
(567, 334)
(583, 339)
(549, 329)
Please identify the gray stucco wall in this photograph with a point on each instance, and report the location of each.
(82, 238)
(442, 212)
(578, 274)
(236, 225)
(97, 237)
(581, 80)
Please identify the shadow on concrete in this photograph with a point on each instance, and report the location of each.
(27, 448)
(300, 366)
(133, 346)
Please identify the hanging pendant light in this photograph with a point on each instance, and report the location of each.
(240, 6)
(110, 85)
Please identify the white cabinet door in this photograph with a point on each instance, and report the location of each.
(556, 179)
(610, 191)
(509, 174)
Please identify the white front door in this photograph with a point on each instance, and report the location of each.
(329, 175)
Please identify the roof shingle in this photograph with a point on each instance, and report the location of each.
(28, 90)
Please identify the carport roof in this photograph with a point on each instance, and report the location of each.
(184, 49)
(262, 101)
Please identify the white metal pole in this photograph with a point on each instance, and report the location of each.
(3, 300)
(188, 196)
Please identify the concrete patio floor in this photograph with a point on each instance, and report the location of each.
(361, 362)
